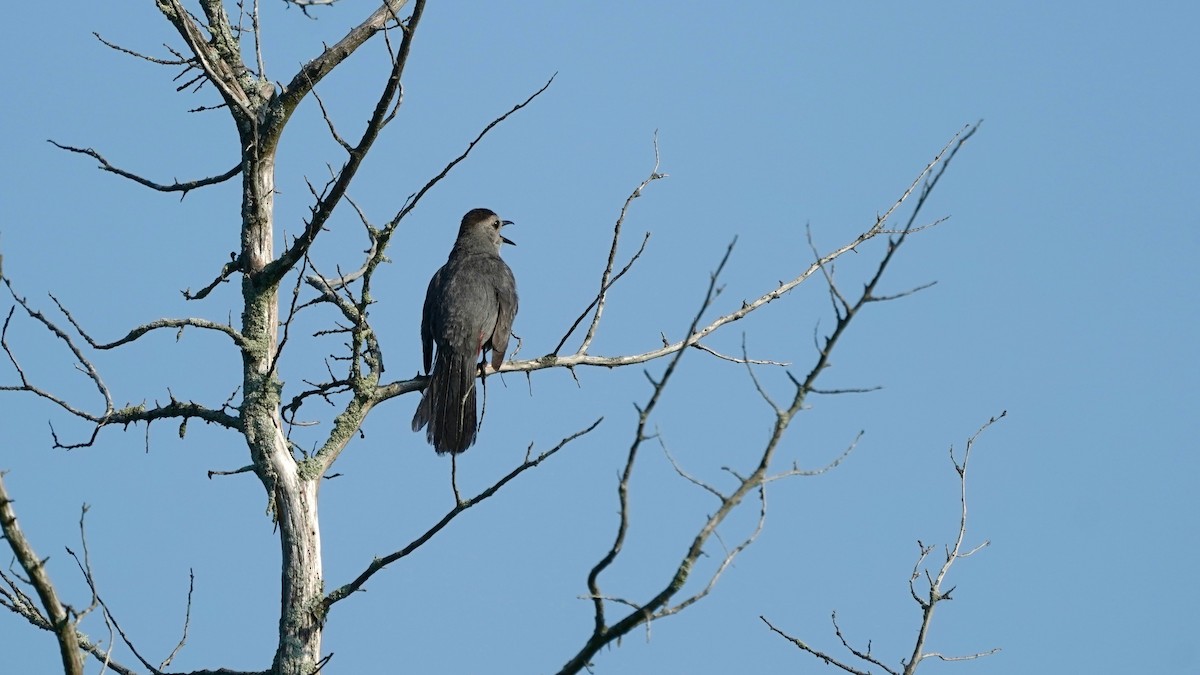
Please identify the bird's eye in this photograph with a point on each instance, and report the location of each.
(495, 224)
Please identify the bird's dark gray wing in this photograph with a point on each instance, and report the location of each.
(506, 306)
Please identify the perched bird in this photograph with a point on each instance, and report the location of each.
(469, 310)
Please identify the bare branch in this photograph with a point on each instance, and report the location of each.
(865, 656)
(739, 359)
(125, 416)
(291, 315)
(461, 505)
(85, 568)
(927, 600)
(35, 570)
(220, 59)
(612, 251)
(829, 660)
(758, 385)
(580, 358)
(330, 198)
(730, 555)
(162, 62)
(613, 280)
(329, 123)
(84, 363)
(935, 594)
(684, 474)
(411, 202)
(844, 390)
(249, 468)
(256, 28)
(902, 294)
(18, 602)
(316, 70)
(967, 657)
(139, 331)
(658, 605)
(602, 633)
(226, 270)
(797, 471)
(305, 4)
(187, 619)
(87, 562)
(177, 186)
(374, 255)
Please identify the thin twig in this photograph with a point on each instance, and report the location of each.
(612, 251)
(411, 202)
(187, 613)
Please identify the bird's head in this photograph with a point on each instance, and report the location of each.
(483, 225)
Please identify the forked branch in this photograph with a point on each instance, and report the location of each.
(316, 70)
(660, 605)
(602, 632)
(174, 409)
(927, 599)
(331, 197)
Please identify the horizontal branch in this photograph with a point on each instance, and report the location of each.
(581, 358)
(181, 410)
(143, 329)
(178, 61)
(584, 359)
(184, 410)
(184, 187)
(171, 323)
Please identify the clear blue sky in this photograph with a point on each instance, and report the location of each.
(1066, 295)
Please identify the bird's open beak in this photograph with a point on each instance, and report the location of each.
(505, 239)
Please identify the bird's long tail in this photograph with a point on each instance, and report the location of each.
(448, 406)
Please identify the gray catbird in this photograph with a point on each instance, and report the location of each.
(469, 309)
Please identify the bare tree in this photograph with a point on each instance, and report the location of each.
(225, 55)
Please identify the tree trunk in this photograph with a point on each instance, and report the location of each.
(292, 495)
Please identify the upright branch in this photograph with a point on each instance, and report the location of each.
(934, 592)
(607, 278)
(324, 207)
(602, 633)
(220, 58)
(57, 615)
